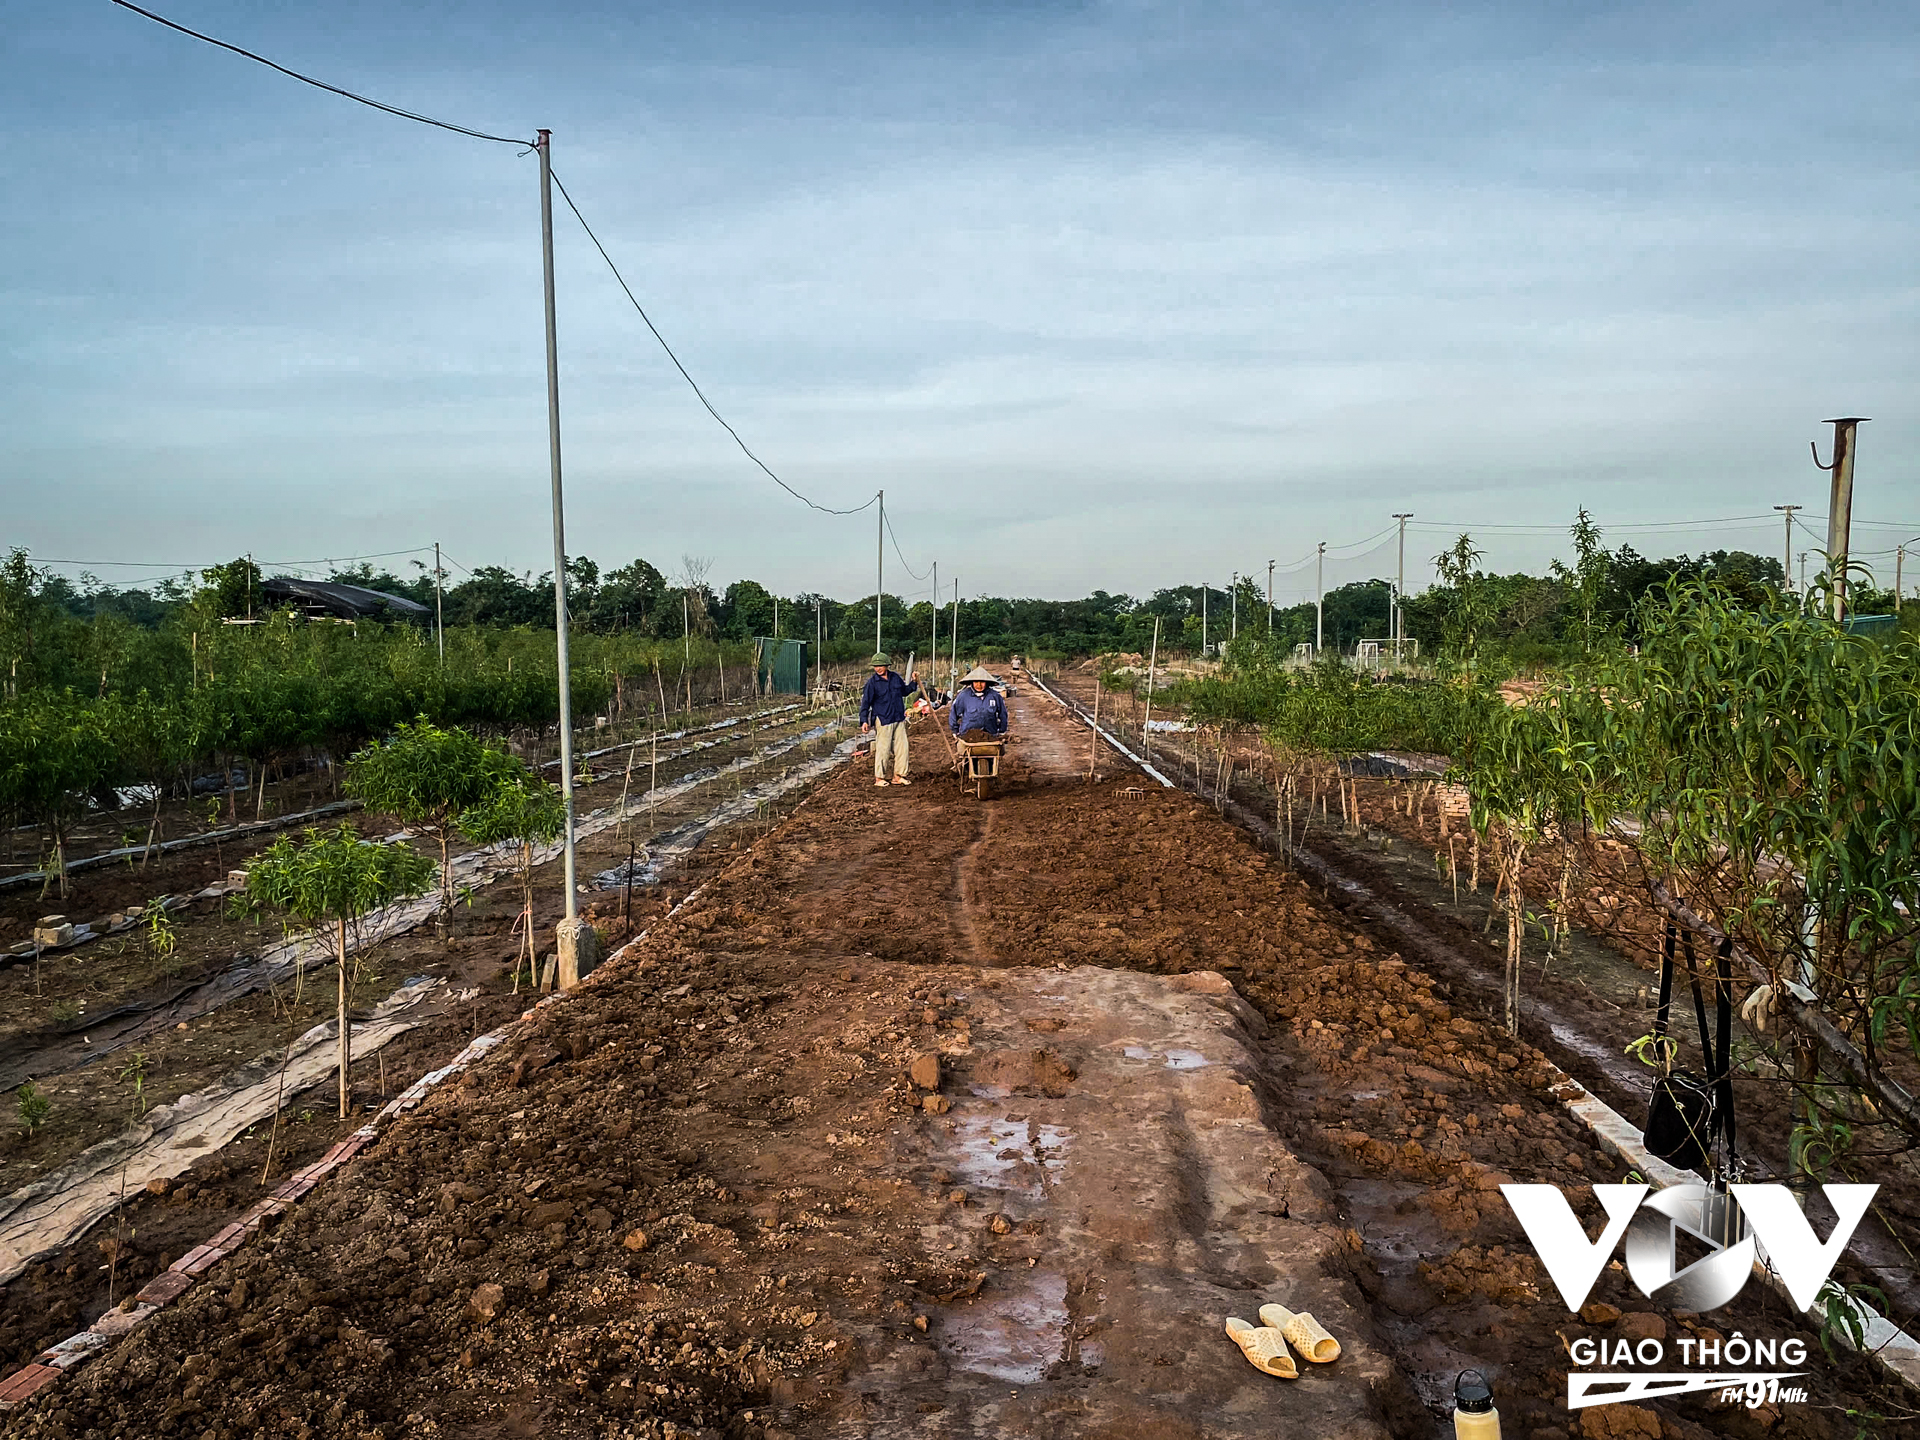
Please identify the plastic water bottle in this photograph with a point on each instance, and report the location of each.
(1474, 1417)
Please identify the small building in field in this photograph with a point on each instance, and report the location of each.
(331, 600)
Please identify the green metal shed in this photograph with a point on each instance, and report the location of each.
(780, 666)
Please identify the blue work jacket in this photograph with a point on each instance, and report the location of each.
(978, 712)
(884, 701)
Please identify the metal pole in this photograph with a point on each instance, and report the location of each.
(1320, 600)
(1840, 511)
(545, 146)
(1399, 616)
(439, 619)
(1786, 555)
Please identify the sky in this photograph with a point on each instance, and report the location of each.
(1104, 296)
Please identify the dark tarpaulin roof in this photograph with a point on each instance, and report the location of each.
(348, 602)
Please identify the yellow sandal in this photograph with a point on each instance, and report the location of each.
(1264, 1349)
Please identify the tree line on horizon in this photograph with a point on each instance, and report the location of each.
(56, 632)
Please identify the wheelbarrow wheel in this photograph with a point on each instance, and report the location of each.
(983, 787)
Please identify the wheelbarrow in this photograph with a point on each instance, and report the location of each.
(979, 763)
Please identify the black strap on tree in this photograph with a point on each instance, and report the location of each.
(1716, 1047)
(1722, 1064)
(1666, 997)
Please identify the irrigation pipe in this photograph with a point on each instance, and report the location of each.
(1075, 711)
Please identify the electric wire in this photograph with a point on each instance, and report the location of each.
(321, 84)
(641, 311)
(896, 548)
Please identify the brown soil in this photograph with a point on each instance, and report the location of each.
(679, 1202)
(51, 1010)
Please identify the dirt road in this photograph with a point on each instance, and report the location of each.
(1161, 1083)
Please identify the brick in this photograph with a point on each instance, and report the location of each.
(186, 1263)
(229, 1237)
(26, 1381)
(163, 1289)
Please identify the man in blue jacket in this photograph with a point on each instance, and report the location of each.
(978, 711)
(883, 710)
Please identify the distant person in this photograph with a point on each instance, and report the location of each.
(978, 711)
(883, 710)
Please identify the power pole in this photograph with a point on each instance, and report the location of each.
(1786, 555)
(1269, 597)
(1400, 590)
(574, 938)
(933, 664)
(1899, 563)
(819, 647)
(879, 569)
(1320, 600)
(1233, 632)
(1203, 619)
(439, 619)
(776, 617)
(1803, 572)
(954, 639)
(1840, 510)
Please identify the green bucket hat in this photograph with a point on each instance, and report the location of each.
(881, 659)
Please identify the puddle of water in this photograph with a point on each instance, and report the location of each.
(1015, 1335)
(1173, 1059)
(998, 1154)
(1613, 1066)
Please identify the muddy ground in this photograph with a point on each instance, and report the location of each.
(704, 1196)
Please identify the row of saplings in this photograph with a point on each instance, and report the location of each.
(442, 783)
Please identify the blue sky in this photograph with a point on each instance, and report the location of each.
(1107, 295)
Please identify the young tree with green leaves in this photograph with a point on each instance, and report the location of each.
(333, 878)
(524, 810)
(426, 776)
(55, 750)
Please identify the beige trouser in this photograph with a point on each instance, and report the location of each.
(890, 744)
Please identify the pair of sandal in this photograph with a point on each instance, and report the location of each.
(1265, 1344)
(897, 780)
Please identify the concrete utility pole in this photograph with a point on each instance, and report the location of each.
(575, 944)
(954, 640)
(819, 648)
(1400, 590)
(1233, 632)
(439, 620)
(1320, 600)
(1269, 597)
(933, 661)
(1203, 619)
(1840, 510)
(1803, 572)
(879, 569)
(776, 617)
(1899, 564)
(1786, 555)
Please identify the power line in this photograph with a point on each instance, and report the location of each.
(641, 310)
(321, 84)
(896, 549)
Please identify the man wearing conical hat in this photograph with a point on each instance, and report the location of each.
(883, 710)
(978, 711)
